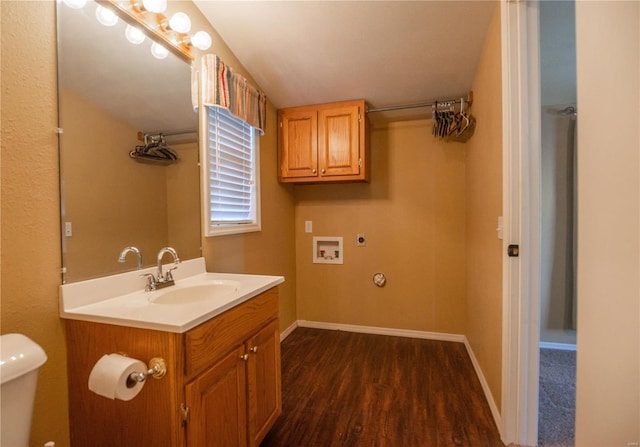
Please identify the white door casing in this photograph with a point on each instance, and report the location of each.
(521, 199)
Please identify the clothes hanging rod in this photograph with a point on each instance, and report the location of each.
(469, 101)
(173, 133)
(181, 132)
(141, 135)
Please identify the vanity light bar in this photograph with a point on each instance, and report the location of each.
(153, 25)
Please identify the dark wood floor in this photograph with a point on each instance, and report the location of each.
(348, 389)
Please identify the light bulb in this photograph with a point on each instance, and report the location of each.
(156, 6)
(75, 4)
(106, 16)
(201, 40)
(134, 35)
(180, 22)
(158, 51)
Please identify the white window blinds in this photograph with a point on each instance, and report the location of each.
(231, 164)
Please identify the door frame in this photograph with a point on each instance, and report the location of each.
(521, 208)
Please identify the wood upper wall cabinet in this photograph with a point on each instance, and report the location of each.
(323, 143)
(222, 386)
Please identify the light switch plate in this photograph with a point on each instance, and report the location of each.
(308, 226)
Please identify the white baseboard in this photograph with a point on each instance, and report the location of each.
(485, 387)
(456, 338)
(284, 334)
(558, 346)
(382, 331)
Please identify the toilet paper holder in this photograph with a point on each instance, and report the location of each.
(157, 370)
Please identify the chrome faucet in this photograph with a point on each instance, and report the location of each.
(162, 280)
(127, 250)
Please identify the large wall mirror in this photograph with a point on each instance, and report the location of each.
(110, 90)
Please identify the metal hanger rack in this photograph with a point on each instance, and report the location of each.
(448, 124)
(155, 148)
(447, 102)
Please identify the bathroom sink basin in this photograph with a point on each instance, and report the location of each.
(197, 293)
(196, 297)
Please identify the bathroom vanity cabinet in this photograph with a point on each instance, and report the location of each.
(323, 143)
(222, 386)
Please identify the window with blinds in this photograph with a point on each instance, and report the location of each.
(232, 186)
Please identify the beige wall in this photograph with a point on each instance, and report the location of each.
(608, 388)
(30, 207)
(412, 215)
(484, 205)
(30, 204)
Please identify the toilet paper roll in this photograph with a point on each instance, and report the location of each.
(109, 375)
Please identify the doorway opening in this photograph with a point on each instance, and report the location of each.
(558, 147)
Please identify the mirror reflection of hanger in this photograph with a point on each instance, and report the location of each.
(155, 150)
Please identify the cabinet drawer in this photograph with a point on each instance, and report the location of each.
(209, 341)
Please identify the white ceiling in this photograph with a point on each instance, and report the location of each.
(387, 52)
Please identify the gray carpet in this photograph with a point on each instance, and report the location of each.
(556, 426)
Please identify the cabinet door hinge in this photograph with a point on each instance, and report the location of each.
(360, 163)
(280, 123)
(359, 117)
(184, 412)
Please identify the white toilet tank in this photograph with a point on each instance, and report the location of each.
(19, 363)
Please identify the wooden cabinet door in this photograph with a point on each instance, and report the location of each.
(265, 402)
(339, 141)
(298, 143)
(217, 404)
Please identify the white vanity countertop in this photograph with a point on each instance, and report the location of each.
(121, 299)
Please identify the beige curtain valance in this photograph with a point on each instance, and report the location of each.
(222, 87)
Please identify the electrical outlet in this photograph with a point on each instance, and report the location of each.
(360, 240)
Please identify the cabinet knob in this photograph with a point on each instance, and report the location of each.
(323, 170)
(313, 171)
(244, 357)
(254, 349)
